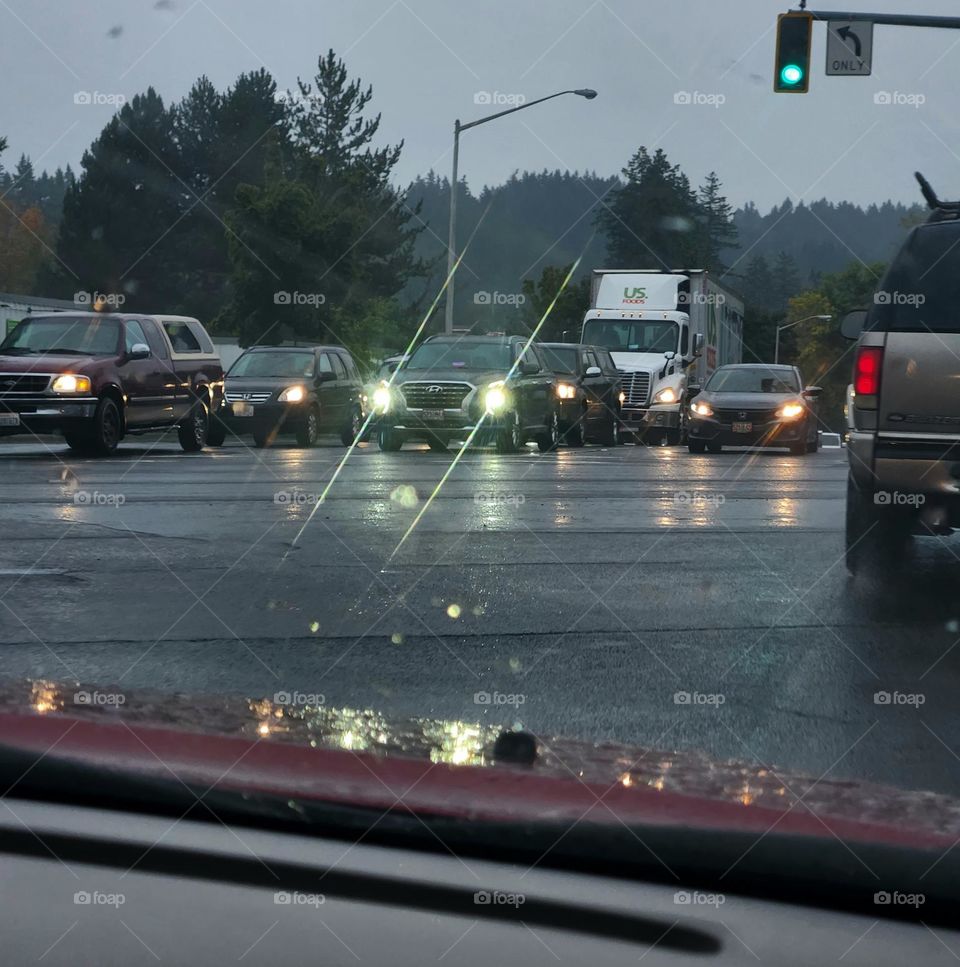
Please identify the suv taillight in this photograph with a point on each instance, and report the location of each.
(866, 376)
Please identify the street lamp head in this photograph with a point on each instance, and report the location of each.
(587, 93)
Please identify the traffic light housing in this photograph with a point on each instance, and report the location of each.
(792, 65)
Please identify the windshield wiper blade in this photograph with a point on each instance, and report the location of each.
(66, 352)
(17, 351)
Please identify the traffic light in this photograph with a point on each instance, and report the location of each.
(792, 65)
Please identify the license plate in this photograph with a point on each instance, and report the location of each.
(243, 409)
(432, 416)
(742, 427)
(9, 419)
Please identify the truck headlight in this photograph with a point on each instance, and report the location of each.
(381, 399)
(68, 383)
(495, 399)
(701, 409)
(668, 395)
(790, 411)
(293, 394)
(566, 391)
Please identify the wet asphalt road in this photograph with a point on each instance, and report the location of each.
(581, 590)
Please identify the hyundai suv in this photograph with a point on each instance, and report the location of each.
(904, 448)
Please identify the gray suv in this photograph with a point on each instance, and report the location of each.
(904, 447)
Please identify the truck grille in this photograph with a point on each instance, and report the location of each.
(446, 396)
(23, 383)
(636, 388)
(746, 416)
(247, 397)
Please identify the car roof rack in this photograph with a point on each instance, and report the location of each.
(940, 211)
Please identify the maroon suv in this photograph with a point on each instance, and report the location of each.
(96, 377)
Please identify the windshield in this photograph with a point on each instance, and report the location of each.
(562, 360)
(461, 354)
(293, 365)
(70, 335)
(735, 380)
(626, 336)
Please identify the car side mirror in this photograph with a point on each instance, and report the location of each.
(140, 350)
(852, 324)
(693, 389)
(593, 371)
(812, 392)
(325, 378)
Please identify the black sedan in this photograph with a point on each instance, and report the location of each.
(754, 405)
(304, 391)
(588, 391)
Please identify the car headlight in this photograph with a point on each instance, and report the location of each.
(566, 391)
(668, 395)
(68, 383)
(495, 399)
(701, 409)
(293, 394)
(790, 411)
(381, 399)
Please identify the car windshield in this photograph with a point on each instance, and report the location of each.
(294, 365)
(73, 335)
(561, 359)
(752, 380)
(621, 335)
(461, 354)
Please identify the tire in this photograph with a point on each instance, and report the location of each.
(696, 446)
(509, 439)
(77, 441)
(799, 448)
(813, 445)
(105, 433)
(216, 434)
(309, 433)
(576, 435)
(389, 440)
(876, 537)
(437, 445)
(610, 435)
(549, 439)
(192, 432)
(263, 438)
(715, 447)
(349, 433)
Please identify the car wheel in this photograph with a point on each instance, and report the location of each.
(876, 536)
(610, 435)
(715, 447)
(576, 435)
(349, 433)
(216, 433)
(696, 446)
(104, 435)
(799, 448)
(309, 433)
(77, 441)
(549, 439)
(389, 440)
(509, 438)
(192, 432)
(814, 444)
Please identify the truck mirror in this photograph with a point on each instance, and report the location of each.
(852, 324)
(698, 344)
(669, 354)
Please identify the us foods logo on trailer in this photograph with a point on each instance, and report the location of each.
(634, 296)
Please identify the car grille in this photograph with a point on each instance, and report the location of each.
(23, 383)
(247, 397)
(636, 388)
(445, 396)
(746, 416)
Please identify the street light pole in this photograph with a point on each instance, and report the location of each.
(790, 325)
(452, 236)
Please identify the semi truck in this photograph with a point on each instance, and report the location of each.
(667, 332)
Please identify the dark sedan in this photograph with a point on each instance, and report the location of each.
(589, 392)
(754, 405)
(304, 391)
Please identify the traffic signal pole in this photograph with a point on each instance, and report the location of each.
(887, 19)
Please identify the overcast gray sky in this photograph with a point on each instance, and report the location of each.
(428, 59)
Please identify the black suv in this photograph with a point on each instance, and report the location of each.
(305, 391)
(454, 385)
(589, 393)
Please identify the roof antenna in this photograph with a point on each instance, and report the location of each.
(929, 195)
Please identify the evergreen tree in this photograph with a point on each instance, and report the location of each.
(566, 318)
(718, 230)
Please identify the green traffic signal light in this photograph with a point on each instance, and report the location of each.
(792, 65)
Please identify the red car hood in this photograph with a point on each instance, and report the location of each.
(363, 758)
(45, 363)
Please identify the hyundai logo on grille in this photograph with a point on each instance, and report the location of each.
(434, 389)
